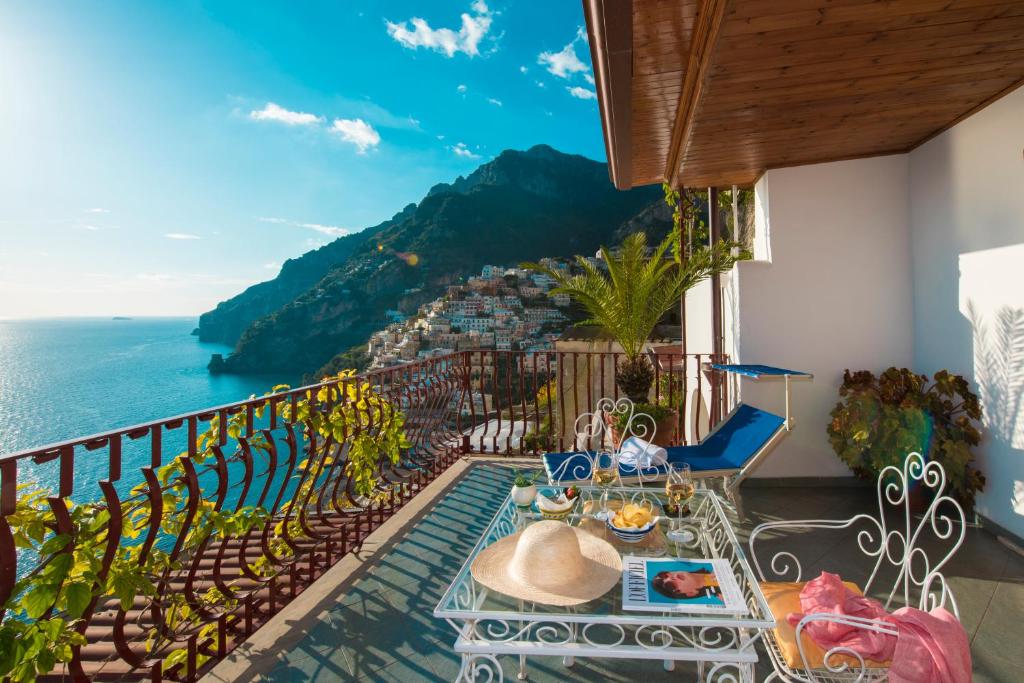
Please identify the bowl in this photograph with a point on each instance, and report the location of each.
(632, 534)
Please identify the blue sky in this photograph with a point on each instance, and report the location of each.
(159, 157)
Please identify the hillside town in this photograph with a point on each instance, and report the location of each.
(504, 308)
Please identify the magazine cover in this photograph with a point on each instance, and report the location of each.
(678, 585)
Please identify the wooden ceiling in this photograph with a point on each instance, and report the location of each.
(714, 92)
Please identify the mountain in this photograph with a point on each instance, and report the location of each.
(226, 323)
(522, 205)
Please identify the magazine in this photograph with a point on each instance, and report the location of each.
(671, 584)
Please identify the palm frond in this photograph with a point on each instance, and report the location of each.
(638, 288)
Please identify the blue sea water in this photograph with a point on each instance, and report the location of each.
(65, 378)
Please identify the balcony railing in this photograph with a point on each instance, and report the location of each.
(527, 402)
(184, 535)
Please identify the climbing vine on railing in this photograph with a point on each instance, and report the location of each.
(83, 555)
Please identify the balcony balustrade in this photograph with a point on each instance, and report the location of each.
(166, 544)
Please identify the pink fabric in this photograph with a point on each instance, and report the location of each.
(931, 646)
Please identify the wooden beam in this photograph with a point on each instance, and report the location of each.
(705, 35)
(610, 33)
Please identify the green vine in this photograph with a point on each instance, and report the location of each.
(43, 615)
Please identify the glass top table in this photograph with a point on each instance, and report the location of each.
(489, 624)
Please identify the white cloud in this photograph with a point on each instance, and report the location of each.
(90, 228)
(461, 150)
(181, 236)
(440, 137)
(461, 88)
(187, 279)
(523, 69)
(97, 210)
(445, 40)
(582, 93)
(541, 84)
(565, 63)
(332, 230)
(588, 78)
(272, 266)
(496, 103)
(358, 132)
(274, 112)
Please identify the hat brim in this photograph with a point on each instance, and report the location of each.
(603, 571)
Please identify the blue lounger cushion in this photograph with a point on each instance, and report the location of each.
(729, 447)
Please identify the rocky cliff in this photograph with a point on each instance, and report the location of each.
(522, 205)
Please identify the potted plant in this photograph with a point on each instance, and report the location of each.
(524, 488)
(663, 419)
(636, 291)
(880, 420)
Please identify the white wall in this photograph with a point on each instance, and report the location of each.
(835, 294)
(967, 227)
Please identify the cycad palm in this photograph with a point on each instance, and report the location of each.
(637, 290)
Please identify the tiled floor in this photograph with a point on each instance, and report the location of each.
(381, 626)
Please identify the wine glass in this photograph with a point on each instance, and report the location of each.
(679, 488)
(606, 471)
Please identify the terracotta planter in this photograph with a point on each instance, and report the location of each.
(664, 434)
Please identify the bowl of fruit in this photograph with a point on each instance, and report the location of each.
(560, 507)
(632, 523)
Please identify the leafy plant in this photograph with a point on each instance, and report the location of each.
(43, 616)
(523, 480)
(656, 411)
(880, 420)
(637, 290)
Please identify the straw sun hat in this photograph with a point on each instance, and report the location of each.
(551, 563)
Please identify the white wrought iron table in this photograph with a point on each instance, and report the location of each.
(488, 624)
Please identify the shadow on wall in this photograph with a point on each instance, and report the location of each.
(999, 375)
(992, 301)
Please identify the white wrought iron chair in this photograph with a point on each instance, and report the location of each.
(593, 439)
(895, 543)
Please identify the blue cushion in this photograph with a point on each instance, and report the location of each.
(736, 441)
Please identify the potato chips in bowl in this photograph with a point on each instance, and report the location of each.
(632, 523)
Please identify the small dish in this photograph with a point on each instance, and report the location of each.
(558, 508)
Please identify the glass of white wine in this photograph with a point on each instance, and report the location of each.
(606, 472)
(679, 488)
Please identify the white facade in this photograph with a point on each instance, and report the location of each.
(913, 260)
(967, 232)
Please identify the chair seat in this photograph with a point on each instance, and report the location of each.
(783, 599)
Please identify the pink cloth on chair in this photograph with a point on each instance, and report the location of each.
(931, 646)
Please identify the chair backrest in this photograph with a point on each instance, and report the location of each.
(909, 551)
(915, 549)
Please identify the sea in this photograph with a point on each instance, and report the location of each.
(66, 378)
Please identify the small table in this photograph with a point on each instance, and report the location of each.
(489, 624)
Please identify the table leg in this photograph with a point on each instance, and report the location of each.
(568, 661)
(465, 671)
(670, 665)
(522, 668)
